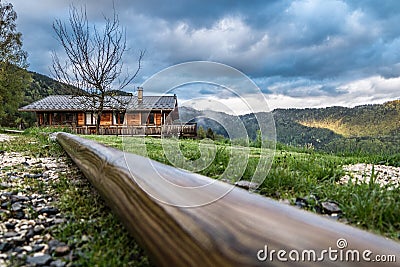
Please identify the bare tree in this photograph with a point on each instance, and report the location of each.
(94, 62)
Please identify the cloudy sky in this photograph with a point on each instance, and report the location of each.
(304, 53)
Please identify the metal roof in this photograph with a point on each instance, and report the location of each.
(82, 103)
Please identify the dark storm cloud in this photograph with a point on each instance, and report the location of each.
(294, 48)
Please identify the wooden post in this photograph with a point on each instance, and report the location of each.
(39, 118)
(50, 118)
(235, 230)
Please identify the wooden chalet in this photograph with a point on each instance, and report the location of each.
(122, 115)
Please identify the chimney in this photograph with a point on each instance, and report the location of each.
(140, 95)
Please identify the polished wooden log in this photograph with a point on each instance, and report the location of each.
(238, 229)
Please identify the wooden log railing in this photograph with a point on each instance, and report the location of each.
(235, 230)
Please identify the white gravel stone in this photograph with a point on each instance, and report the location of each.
(384, 175)
(5, 137)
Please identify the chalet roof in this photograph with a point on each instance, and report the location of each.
(82, 103)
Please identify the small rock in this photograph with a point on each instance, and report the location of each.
(5, 246)
(18, 250)
(19, 215)
(27, 248)
(246, 184)
(25, 227)
(10, 234)
(37, 248)
(5, 205)
(29, 234)
(5, 185)
(9, 225)
(49, 211)
(19, 241)
(16, 206)
(53, 244)
(61, 250)
(58, 263)
(330, 207)
(39, 260)
(21, 198)
(59, 221)
(38, 229)
(300, 202)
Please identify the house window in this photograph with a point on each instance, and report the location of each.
(144, 118)
(56, 118)
(90, 119)
(151, 118)
(69, 117)
(119, 118)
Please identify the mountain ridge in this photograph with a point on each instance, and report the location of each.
(364, 128)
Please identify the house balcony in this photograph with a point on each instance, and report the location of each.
(185, 130)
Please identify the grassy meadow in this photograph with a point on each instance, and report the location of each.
(296, 175)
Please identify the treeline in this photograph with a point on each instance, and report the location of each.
(364, 120)
(37, 87)
(362, 130)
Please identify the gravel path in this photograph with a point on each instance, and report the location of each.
(384, 175)
(28, 211)
(4, 137)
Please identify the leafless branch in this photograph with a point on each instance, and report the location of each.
(94, 58)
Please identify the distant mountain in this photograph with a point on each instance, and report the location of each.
(328, 128)
(361, 121)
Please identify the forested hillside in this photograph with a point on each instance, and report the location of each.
(366, 129)
(362, 129)
(39, 87)
(361, 121)
(42, 86)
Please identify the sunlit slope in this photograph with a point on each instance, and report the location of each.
(360, 121)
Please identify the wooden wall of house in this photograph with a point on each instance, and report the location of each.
(81, 119)
(133, 119)
(106, 119)
(175, 114)
(50, 118)
(157, 119)
(39, 118)
(169, 118)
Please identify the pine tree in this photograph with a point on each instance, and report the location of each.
(210, 134)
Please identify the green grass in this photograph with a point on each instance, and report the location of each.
(296, 174)
(106, 241)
